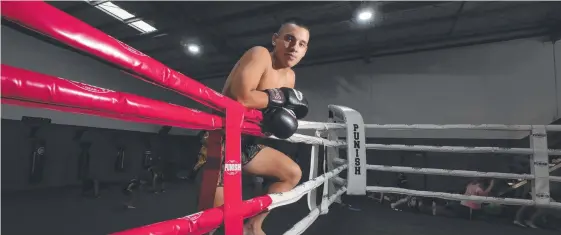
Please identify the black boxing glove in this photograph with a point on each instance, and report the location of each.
(288, 98)
(280, 122)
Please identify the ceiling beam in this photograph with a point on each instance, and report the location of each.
(206, 34)
(259, 11)
(469, 38)
(266, 10)
(324, 20)
(416, 23)
(386, 8)
(419, 23)
(79, 6)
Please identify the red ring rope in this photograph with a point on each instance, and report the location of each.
(32, 89)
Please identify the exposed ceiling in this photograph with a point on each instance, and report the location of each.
(226, 29)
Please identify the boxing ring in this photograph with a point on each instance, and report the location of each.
(31, 89)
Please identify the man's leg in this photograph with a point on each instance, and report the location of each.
(538, 214)
(400, 202)
(273, 163)
(519, 218)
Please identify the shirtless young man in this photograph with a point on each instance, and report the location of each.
(264, 80)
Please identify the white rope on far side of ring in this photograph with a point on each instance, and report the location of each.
(457, 149)
(305, 222)
(462, 173)
(489, 127)
(555, 178)
(459, 197)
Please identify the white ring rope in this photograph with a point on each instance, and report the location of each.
(306, 139)
(305, 223)
(458, 149)
(457, 197)
(306, 125)
(339, 181)
(462, 173)
(281, 199)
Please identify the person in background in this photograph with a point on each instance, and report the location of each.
(539, 213)
(157, 173)
(401, 183)
(129, 192)
(466, 209)
(472, 209)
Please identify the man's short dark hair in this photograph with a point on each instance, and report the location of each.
(295, 21)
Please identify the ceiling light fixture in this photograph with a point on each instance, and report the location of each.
(122, 15)
(365, 15)
(193, 48)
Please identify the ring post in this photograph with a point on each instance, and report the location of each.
(539, 166)
(233, 219)
(314, 168)
(331, 153)
(356, 150)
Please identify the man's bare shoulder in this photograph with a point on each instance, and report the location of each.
(291, 73)
(257, 52)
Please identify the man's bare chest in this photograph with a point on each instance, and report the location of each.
(269, 81)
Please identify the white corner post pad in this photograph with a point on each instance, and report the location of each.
(539, 164)
(356, 150)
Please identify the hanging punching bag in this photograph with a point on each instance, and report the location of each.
(84, 161)
(147, 159)
(147, 156)
(37, 161)
(120, 160)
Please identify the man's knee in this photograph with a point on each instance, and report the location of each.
(293, 175)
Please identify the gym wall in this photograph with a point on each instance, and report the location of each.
(62, 154)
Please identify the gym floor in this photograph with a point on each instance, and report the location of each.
(64, 211)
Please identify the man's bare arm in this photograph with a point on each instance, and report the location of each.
(247, 76)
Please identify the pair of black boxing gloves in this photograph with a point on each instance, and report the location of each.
(285, 107)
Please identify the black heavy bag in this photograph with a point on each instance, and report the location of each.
(147, 159)
(120, 165)
(84, 161)
(37, 161)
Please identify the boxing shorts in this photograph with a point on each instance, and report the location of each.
(249, 147)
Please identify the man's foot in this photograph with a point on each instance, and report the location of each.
(392, 205)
